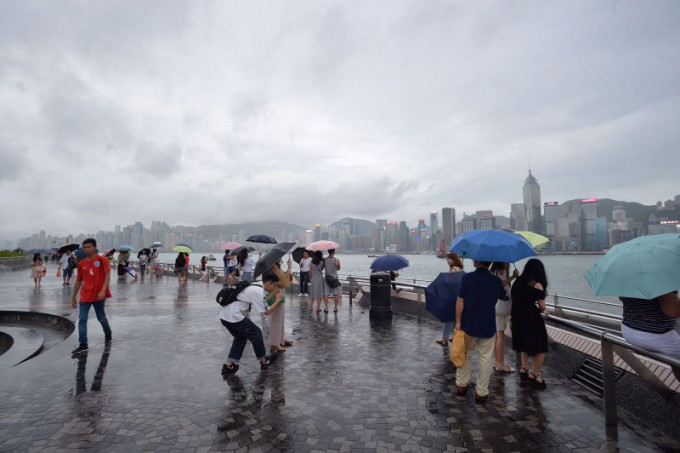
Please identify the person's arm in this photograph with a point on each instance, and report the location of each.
(76, 288)
(337, 263)
(273, 306)
(541, 303)
(102, 292)
(460, 304)
(670, 305)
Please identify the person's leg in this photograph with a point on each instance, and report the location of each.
(336, 299)
(101, 316)
(275, 332)
(255, 337)
(463, 374)
(447, 329)
(538, 362)
(83, 311)
(485, 350)
(238, 331)
(525, 360)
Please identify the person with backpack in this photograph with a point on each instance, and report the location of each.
(67, 263)
(234, 315)
(181, 269)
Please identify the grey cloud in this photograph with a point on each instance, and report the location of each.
(209, 112)
(13, 162)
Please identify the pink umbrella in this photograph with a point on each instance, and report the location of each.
(322, 246)
(231, 245)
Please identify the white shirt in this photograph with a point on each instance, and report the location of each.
(251, 297)
(305, 264)
(248, 265)
(63, 261)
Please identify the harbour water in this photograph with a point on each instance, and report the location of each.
(565, 272)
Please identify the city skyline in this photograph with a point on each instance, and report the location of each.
(222, 112)
(404, 236)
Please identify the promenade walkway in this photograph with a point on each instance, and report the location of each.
(343, 386)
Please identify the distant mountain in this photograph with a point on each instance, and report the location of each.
(605, 206)
(355, 227)
(280, 230)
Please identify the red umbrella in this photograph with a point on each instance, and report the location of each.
(322, 246)
(231, 245)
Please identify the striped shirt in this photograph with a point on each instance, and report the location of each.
(646, 315)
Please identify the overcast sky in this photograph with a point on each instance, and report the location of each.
(224, 112)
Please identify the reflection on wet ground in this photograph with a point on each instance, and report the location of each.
(344, 385)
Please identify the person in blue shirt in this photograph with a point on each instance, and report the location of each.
(476, 316)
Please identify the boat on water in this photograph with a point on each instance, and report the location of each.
(371, 256)
(212, 258)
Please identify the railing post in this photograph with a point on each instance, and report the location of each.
(420, 304)
(611, 418)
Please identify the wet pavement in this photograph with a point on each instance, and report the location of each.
(344, 386)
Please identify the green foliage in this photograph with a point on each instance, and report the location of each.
(11, 254)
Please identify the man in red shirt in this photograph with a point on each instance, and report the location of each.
(94, 274)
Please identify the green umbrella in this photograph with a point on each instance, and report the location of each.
(181, 248)
(534, 239)
(644, 268)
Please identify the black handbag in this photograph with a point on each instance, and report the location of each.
(332, 281)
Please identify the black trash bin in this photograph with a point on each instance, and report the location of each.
(381, 297)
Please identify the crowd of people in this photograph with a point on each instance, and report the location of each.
(490, 300)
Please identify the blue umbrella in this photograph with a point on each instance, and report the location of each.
(389, 263)
(441, 294)
(126, 248)
(492, 245)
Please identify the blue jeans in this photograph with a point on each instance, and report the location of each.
(82, 319)
(304, 282)
(244, 331)
(448, 329)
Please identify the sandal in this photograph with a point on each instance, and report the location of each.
(503, 369)
(442, 341)
(523, 376)
(535, 383)
(325, 311)
(287, 343)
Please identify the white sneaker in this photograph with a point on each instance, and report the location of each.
(300, 295)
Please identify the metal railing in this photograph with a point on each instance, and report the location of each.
(613, 343)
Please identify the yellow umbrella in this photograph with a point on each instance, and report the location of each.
(534, 239)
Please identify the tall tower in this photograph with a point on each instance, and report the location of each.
(448, 226)
(532, 203)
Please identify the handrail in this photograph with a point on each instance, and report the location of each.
(611, 343)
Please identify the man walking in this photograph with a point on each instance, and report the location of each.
(94, 274)
(476, 316)
(305, 267)
(235, 318)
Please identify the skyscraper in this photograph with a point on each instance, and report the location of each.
(532, 203)
(448, 225)
(434, 229)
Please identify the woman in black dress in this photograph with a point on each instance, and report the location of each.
(529, 336)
